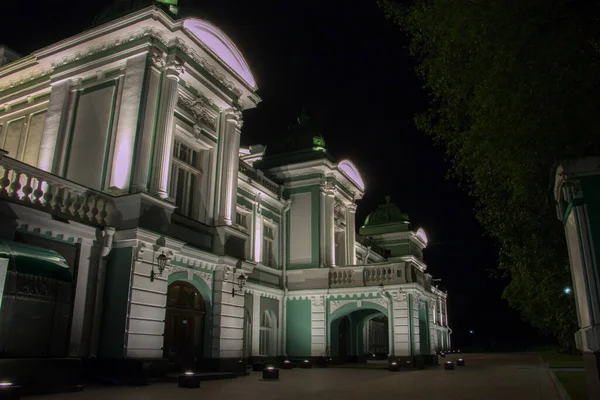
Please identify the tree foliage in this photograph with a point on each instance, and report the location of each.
(514, 89)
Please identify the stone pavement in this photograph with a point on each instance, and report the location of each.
(486, 376)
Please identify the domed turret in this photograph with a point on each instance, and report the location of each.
(386, 218)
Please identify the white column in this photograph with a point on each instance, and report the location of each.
(54, 124)
(82, 293)
(446, 313)
(230, 144)
(416, 338)
(329, 225)
(280, 321)
(141, 169)
(257, 234)
(3, 272)
(255, 324)
(351, 234)
(322, 223)
(163, 142)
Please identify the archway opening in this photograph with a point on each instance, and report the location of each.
(359, 336)
(184, 325)
(268, 334)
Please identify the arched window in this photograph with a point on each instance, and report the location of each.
(267, 338)
(184, 295)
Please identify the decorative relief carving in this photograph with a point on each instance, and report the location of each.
(398, 296)
(205, 276)
(174, 68)
(235, 117)
(381, 301)
(318, 300)
(173, 269)
(334, 305)
(198, 108)
(157, 58)
(25, 79)
(139, 250)
(328, 188)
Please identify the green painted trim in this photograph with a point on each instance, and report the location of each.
(245, 193)
(100, 86)
(271, 216)
(150, 171)
(244, 202)
(570, 206)
(108, 147)
(301, 178)
(270, 207)
(183, 118)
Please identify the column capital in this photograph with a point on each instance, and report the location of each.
(157, 58)
(174, 67)
(234, 117)
(351, 208)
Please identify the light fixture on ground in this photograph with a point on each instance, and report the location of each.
(287, 364)
(449, 365)
(258, 366)
(240, 281)
(394, 366)
(306, 364)
(189, 380)
(460, 362)
(270, 374)
(161, 264)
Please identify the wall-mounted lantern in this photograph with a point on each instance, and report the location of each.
(161, 264)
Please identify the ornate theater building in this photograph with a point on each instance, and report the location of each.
(136, 234)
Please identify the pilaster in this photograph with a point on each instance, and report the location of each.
(255, 323)
(401, 337)
(229, 149)
(129, 116)
(143, 152)
(351, 234)
(54, 124)
(83, 295)
(257, 233)
(414, 321)
(228, 321)
(164, 130)
(318, 326)
(328, 223)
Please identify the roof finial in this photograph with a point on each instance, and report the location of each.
(388, 199)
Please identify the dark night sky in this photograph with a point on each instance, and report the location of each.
(350, 68)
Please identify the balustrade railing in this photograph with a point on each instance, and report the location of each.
(23, 184)
(366, 275)
(258, 177)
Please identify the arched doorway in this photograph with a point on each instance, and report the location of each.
(344, 339)
(184, 325)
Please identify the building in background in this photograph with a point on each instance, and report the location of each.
(148, 238)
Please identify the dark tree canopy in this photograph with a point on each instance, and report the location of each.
(514, 89)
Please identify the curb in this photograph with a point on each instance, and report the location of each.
(561, 390)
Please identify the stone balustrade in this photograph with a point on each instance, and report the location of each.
(366, 275)
(257, 176)
(32, 187)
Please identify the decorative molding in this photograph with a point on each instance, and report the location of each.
(205, 276)
(235, 117)
(381, 301)
(318, 300)
(28, 78)
(157, 58)
(200, 110)
(334, 305)
(139, 250)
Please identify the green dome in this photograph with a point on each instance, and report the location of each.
(385, 214)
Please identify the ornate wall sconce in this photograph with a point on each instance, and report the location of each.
(240, 281)
(161, 264)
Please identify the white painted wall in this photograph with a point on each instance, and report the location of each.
(300, 229)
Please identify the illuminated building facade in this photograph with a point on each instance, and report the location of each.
(123, 180)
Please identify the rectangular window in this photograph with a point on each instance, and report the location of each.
(241, 220)
(269, 254)
(186, 175)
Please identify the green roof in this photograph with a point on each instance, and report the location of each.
(34, 260)
(386, 218)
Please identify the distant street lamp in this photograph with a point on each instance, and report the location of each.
(567, 290)
(471, 332)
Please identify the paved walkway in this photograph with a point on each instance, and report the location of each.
(486, 376)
